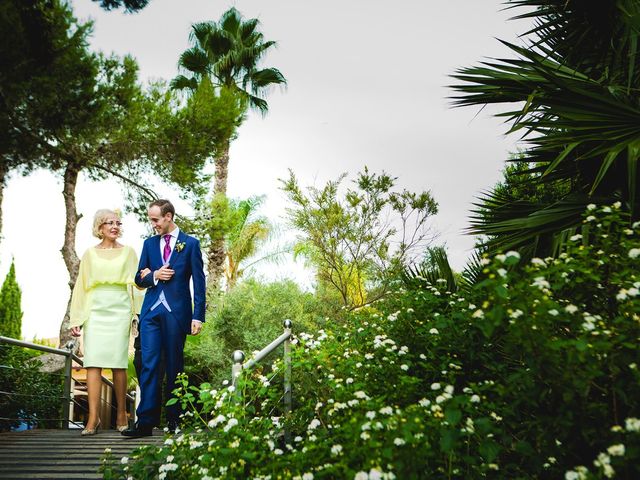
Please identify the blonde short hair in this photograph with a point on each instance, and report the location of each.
(100, 217)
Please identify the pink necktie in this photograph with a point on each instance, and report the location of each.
(167, 248)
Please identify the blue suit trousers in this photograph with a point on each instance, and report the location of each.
(161, 336)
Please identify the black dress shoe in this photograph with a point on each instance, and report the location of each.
(138, 432)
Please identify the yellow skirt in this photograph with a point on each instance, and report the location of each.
(106, 332)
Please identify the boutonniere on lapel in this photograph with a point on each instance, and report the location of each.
(179, 246)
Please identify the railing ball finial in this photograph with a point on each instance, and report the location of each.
(237, 356)
(287, 324)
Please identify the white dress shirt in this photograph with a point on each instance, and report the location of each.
(172, 243)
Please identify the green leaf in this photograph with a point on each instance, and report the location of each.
(452, 415)
(489, 450)
(447, 440)
(581, 345)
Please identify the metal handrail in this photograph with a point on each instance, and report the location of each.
(69, 358)
(237, 357)
(33, 346)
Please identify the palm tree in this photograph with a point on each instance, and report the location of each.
(246, 234)
(227, 54)
(577, 105)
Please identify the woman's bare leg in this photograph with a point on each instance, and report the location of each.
(120, 386)
(94, 386)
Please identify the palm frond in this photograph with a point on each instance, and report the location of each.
(472, 271)
(264, 78)
(200, 33)
(195, 60)
(433, 270)
(181, 83)
(580, 33)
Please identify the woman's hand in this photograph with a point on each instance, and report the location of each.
(75, 331)
(144, 273)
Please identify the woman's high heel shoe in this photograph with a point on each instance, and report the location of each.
(122, 428)
(90, 431)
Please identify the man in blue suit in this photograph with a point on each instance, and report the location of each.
(169, 261)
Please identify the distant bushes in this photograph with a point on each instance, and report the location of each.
(248, 318)
(28, 397)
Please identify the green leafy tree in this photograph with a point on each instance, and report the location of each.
(244, 231)
(11, 306)
(226, 54)
(349, 238)
(576, 105)
(128, 5)
(87, 113)
(40, 51)
(519, 190)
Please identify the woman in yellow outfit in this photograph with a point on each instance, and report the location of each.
(102, 305)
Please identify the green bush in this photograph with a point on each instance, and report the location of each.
(531, 374)
(249, 317)
(29, 397)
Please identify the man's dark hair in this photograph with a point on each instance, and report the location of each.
(165, 207)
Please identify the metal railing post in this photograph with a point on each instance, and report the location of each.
(287, 376)
(67, 394)
(237, 357)
(133, 404)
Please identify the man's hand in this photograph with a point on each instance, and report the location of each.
(75, 331)
(196, 327)
(163, 273)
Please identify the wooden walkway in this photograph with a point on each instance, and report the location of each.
(49, 454)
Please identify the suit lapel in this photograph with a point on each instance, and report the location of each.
(177, 255)
(155, 247)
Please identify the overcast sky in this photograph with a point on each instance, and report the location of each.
(367, 85)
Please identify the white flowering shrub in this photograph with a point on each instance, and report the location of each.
(531, 374)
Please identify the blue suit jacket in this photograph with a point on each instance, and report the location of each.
(187, 264)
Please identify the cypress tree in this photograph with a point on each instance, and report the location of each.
(10, 306)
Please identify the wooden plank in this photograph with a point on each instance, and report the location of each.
(50, 476)
(55, 454)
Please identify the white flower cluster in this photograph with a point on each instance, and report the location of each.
(216, 421)
(571, 309)
(632, 424)
(166, 467)
(230, 424)
(305, 476)
(541, 283)
(511, 254)
(589, 321)
(374, 474)
(538, 262)
(580, 473)
(634, 291)
(315, 423)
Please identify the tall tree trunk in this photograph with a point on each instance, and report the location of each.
(3, 175)
(68, 250)
(216, 253)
